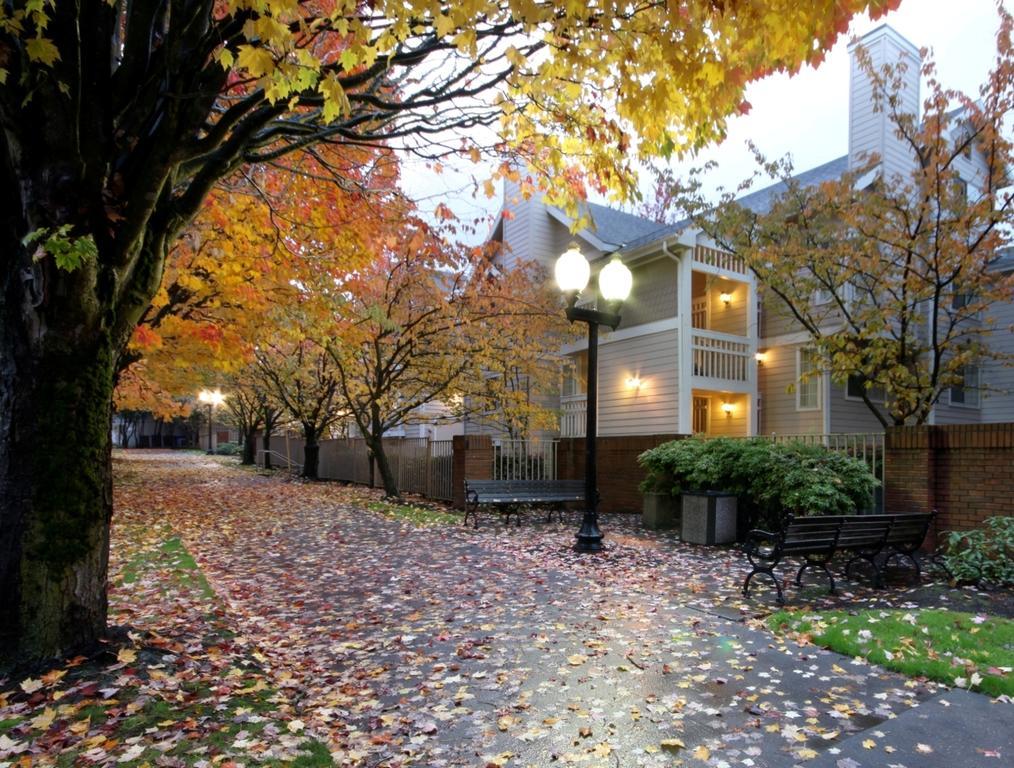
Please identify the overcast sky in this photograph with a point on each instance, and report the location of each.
(806, 115)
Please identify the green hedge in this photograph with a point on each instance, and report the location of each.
(770, 479)
(228, 449)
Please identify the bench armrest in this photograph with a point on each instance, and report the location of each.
(755, 537)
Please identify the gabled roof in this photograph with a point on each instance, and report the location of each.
(618, 228)
(761, 200)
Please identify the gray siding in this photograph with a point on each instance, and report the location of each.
(653, 296)
(529, 232)
(778, 406)
(776, 318)
(654, 358)
(848, 415)
(998, 404)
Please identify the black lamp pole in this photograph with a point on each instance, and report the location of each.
(589, 538)
(210, 449)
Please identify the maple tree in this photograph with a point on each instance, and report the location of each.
(427, 321)
(301, 377)
(120, 117)
(906, 263)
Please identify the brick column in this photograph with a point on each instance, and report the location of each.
(472, 460)
(910, 472)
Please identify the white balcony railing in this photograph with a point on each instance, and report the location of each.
(720, 260)
(572, 415)
(720, 356)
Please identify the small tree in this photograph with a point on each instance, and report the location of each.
(427, 321)
(304, 381)
(907, 265)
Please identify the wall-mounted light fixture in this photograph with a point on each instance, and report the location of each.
(761, 358)
(634, 382)
(728, 408)
(725, 298)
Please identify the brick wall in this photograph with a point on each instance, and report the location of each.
(619, 474)
(964, 471)
(473, 459)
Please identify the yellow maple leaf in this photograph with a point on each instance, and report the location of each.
(44, 720)
(577, 659)
(126, 656)
(257, 61)
(702, 753)
(42, 50)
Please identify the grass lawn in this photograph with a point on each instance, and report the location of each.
(417, 515)
(959, 649)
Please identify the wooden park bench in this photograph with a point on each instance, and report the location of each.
(509, 496)
(876, 539)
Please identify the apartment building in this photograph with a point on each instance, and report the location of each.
(702, 348)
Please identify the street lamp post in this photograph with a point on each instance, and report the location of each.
(212, 398)
(572, 274)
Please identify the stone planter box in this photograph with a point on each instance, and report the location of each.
(661, 510)
(709, 517)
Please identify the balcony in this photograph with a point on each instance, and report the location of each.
(719, 360)
(718, 262)
(572, 415)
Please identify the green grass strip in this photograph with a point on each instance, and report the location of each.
(423, 516)
(959, 649)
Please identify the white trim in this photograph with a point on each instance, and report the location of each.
(609, 337)
(826, 404)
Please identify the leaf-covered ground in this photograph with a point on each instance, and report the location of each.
(269, 621)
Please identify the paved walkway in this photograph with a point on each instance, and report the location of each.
(446, 647)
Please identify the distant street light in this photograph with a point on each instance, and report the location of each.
(212, 398)
(615, 281)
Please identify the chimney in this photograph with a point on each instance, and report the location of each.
(873, 132)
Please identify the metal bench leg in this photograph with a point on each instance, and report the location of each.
(822, 564)
(769, 572)
(872, 560)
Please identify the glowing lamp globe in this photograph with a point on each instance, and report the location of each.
(572, 270)
(615, 281)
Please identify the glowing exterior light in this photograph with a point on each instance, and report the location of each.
(725, 298)
(211, 397)
(761, 357)
(615, 281)
(572, 270)
(633, 382)
(728, 408)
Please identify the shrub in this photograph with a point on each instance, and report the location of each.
(769, 479)
(984, 555)
(227, 449)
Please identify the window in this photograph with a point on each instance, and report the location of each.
(822, 296)
(966, 394)
(961, 190)
(960, 300)
(854, 390)
(807, 380)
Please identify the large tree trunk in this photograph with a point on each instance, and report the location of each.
(56, 486)
(249, 446)
(311, 455)
(376, 445)
(266, 445)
